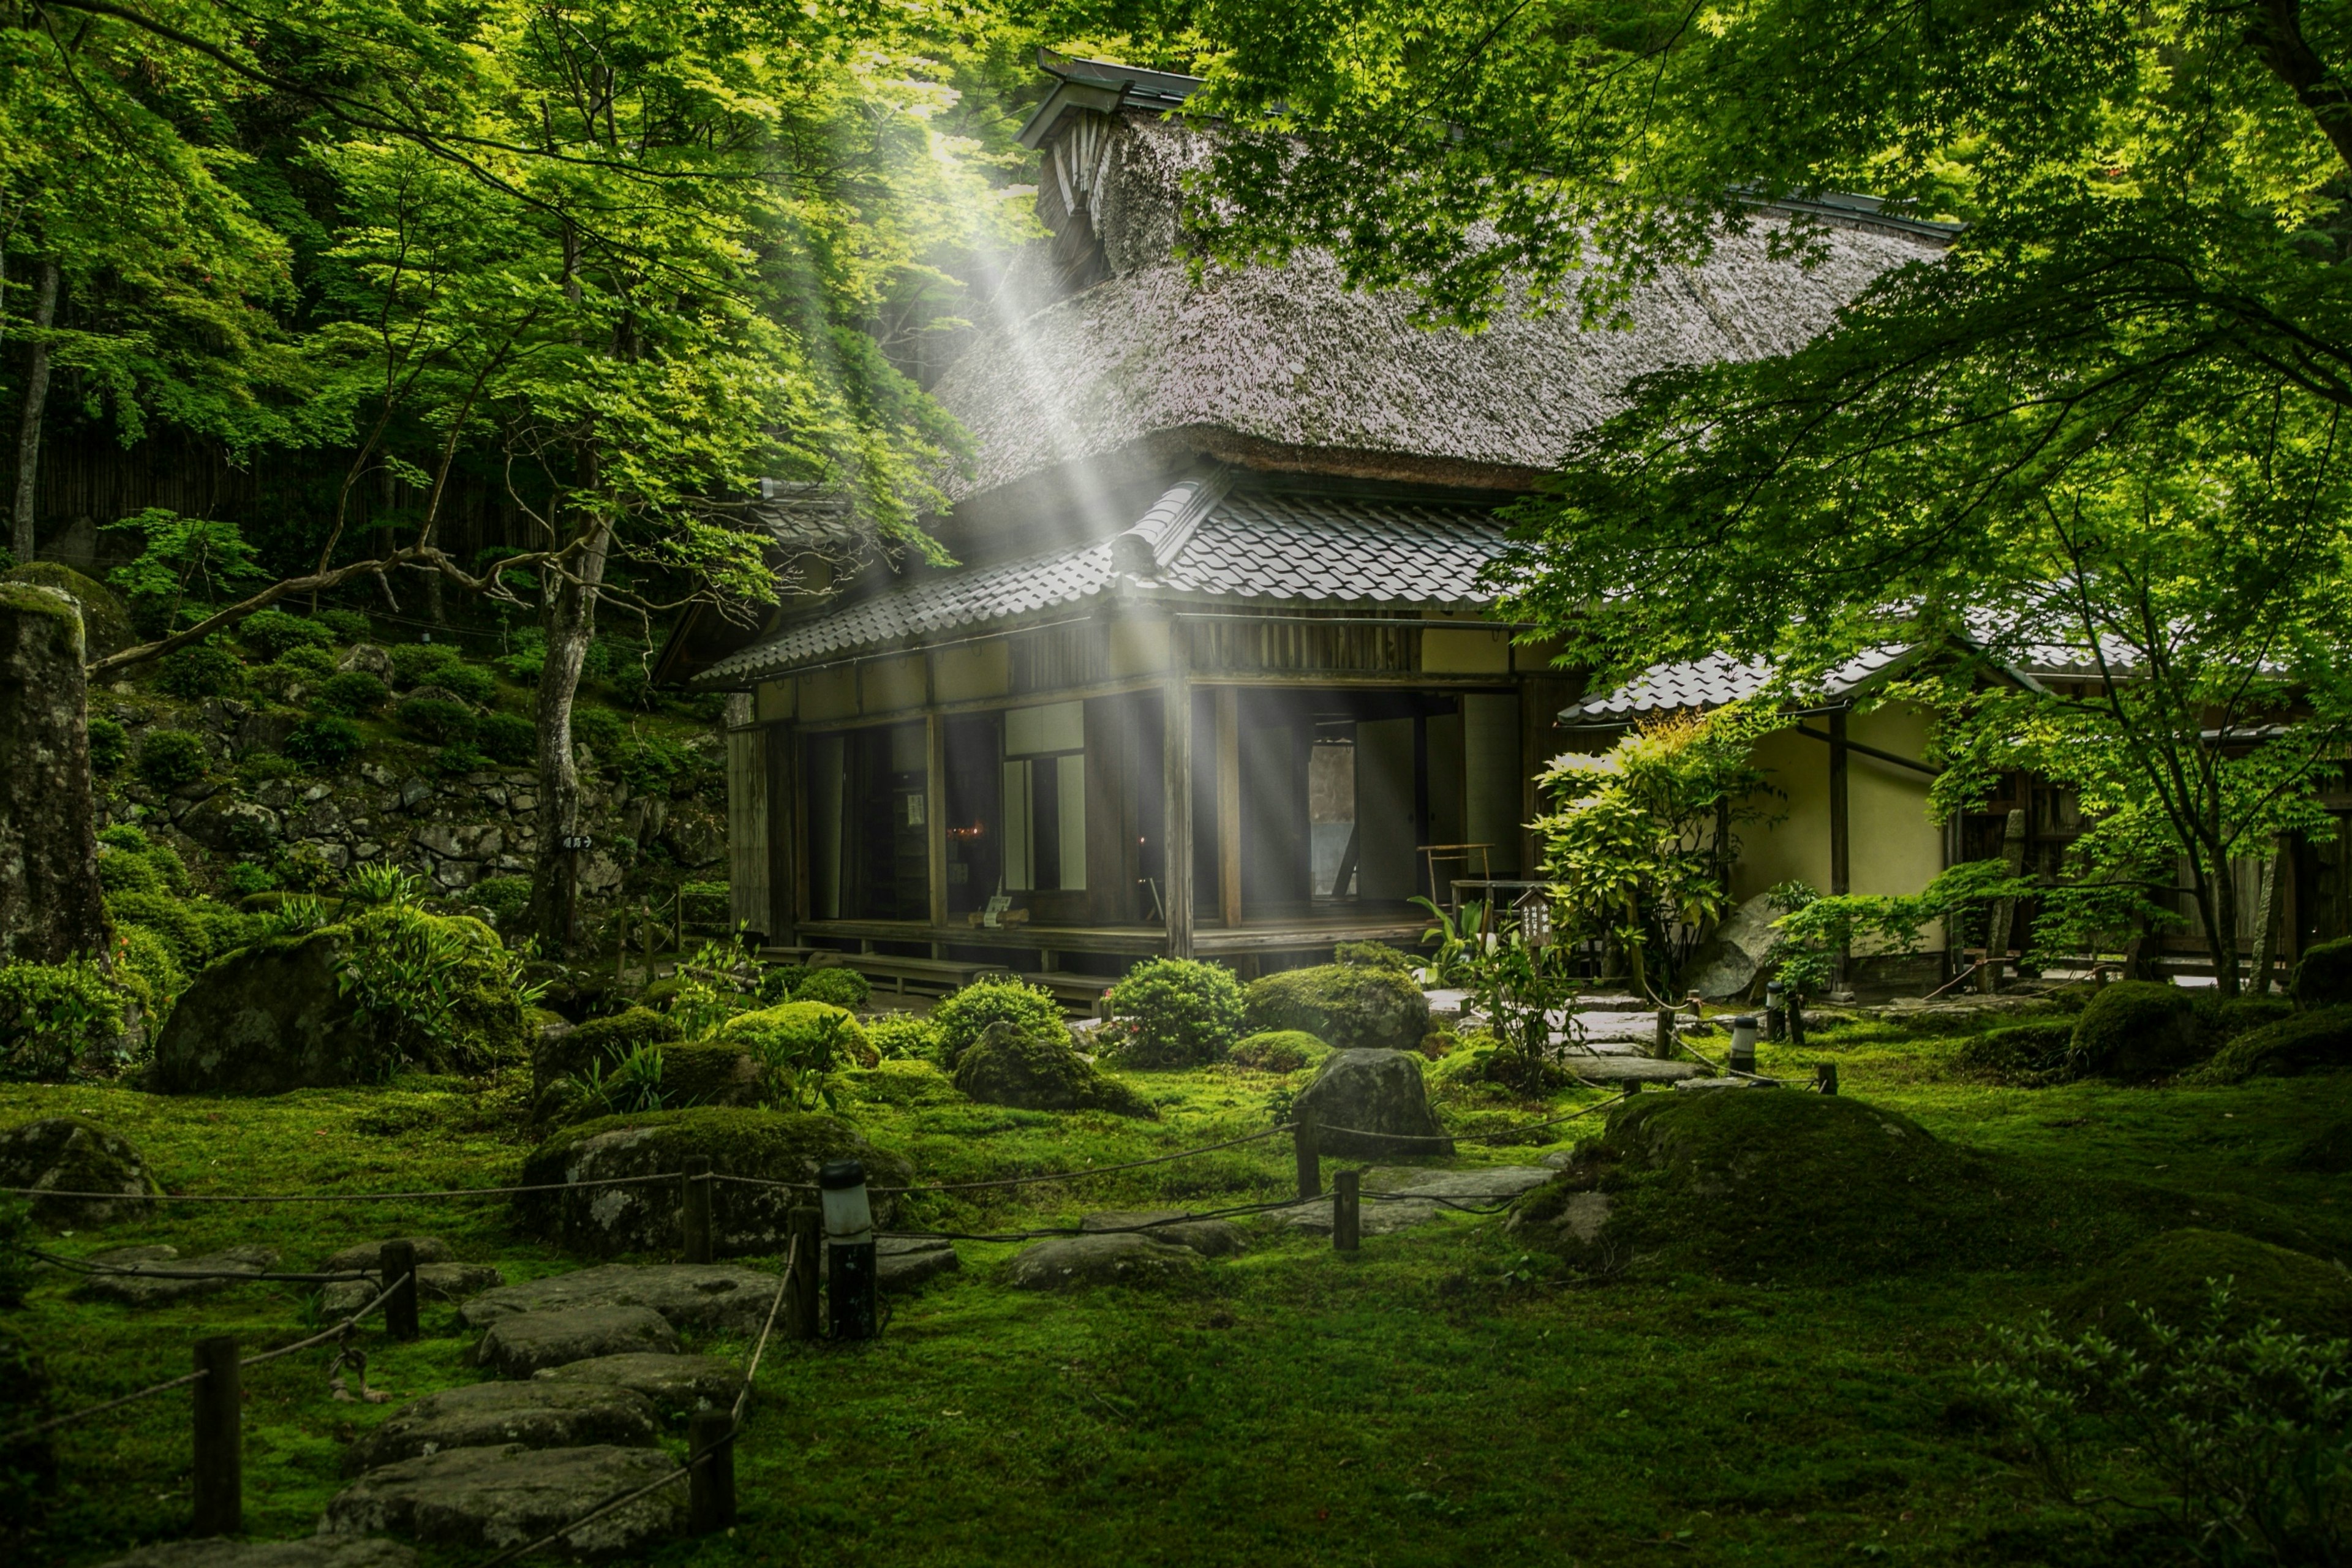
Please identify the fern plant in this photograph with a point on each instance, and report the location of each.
(633, 1085)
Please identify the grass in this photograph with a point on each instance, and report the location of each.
(1442, 1398)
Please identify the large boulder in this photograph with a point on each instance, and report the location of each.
(268, 1018)
(2322, 975)
(2135, 1030)
(536, 1415)
(1728, 961)
(435, 1283)
(1209, 1238)
(105, 623)
(1028, 1069)
(521, 1344)
(310, 1551)
(601, 1041)
(1350, 1007)
(52, 904)
(74, 1154)
(1372, 1105)
(694, 1297)
(766, 1145)
(481, 1500)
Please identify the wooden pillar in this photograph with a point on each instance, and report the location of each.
(1229, 808)
(934, 818)
(1841, 829)
(1176, 836)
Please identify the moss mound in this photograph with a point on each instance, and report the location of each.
(606, 1039)
(1280, 1051)
(710, 1072)
(2307, 1042)
(105, 624)
(1354, 1007)
(75, 1154)
(1373, 955)
(2323, 976)
(1034, 1072)
(2166, 1277)
(2327, 1151)
(2135, 1030)
(2022, 1056)
(2220, 1019)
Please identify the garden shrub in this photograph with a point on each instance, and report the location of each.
(902, 1037)
(304, 868)
(126, 836)
(599, 728)
(841, 986)
(244, 878)
(170, 758)
(149, 967)
(224, 929)
(1035, 1070)
(170, 919)
(504, 896)
(778, 981)
(437, 720)
(200, 670)
(1352, 1007)
(353, 693)
(2135, 1030)
(2024, 1056)
(122, 871)
(470, 681)
(456, 996)
(458, 759)
(420, 663)
(349, 626)
(1280, 1051)
(51, 1015)
(2322, 975)
(1374, 956)
(2300, 1043)
(965, 1015)
(798, 1045)
(260, 767)
(706, 903)
(273, 632)
(509, 739)
(1173, 1011)
(309, 666)
(110, 742)
(324, 744)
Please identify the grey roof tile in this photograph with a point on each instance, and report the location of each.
(1712, 682)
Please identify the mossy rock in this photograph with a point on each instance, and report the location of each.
(2305, 1042)
(769, 1145)
(1280, 1051)
(75, 1154)
(606, 1040)
(710, 1072)
(1030, 1070)
(269, 1018)
(2220, 1019)
(2030, 1055)
(2135, 1030)
(2322, 975)
(1372, 1105)
(901, 1082)
(790, 1030)
(105, 624)
(2167, 1277)
(1351, 1006)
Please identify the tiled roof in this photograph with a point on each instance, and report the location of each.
(1249, 545)
(1711, 682)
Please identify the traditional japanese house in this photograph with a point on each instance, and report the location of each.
(1214, 673)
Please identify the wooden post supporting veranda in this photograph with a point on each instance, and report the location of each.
(2004, 910)
(1176, 838)
(1229, 808)
(220, 1450)
(1841, 831)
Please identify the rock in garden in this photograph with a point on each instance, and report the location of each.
(1491, 1184)
(1118, 1258)
(903, 1262)
(773, 1146)
(51, 901)
(267, 1019)
(694, 1297)
(677, 1385)
(435, 1283)
(1209, 1238)
(1727, 965)
(486, 1499)
(72, 1154)
(1029, 1070)
(2135, 1030)
(310, 1551)
(536, 1415)
(368, 659)
(427, 1248)
(150, 1276)
(1351, 1007)
(1371, 1104)
(520, 1345)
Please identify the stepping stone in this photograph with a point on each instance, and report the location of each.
(490, 1499)
(696, 1298)
(677, 1385)
(435, 1283)
(429, 1249)
(519, 1345)
(1607, 1069)
(903, 1262)
(1721, 1083)
(1209, 1238)
(1371, 1219)
(1124, 1258)
(310, 1551)
(152, 1290)
(1490, 1185)
(489, 1415)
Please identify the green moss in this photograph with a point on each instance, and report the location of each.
(2322, 975)
(1037, 1071)
(2327, 1151)
(2305, 1042)
(2220, 1019)
(605, 1040)
(902, 1035)
(106, 624)
(168, 918)
(2135, 1030)
(709, 1072)
(797, 1027)
(900, 1082)
(965, 1015)
(1280, 1051)
(1374, 956)
(1352, 1007)
(839, 986)
(2166, 1277)
(2030, 1055)
(32, 599)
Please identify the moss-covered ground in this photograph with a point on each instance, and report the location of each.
(1444, 1398)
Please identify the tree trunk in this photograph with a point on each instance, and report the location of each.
(2216, 904)
(51, 906)
(29, 431)
(571, 623)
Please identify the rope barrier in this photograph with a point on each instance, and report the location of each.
(1049, 1233)
(1021, 1181)
(339, 1197)
(57, 1421)
(1475, 1137)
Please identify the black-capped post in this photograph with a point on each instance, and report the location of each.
(849, 1262)
(219, 1452)
(396, 1263)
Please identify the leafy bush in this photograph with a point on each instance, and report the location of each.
(529, 658)
(353, 693)
(260, 767)
(1373, 955)
(840, 986)
(422, 663)
(203, 669)
(902, 1037)
(309, 666)
(304, 867)
(382, 883)
(1174, 1012)
(799, 1046)
(653, 764)
(170, 758)
(244, 878)
(437, 720)
(51, 1013)
(123, 871)
(224, 929)
(349, 626)
(2022, 1056)
(126, 836)
(778, 980)
(151, 968)
(2135, 1030)
(2295, 1045)
(504, 896)
(509, 739)
(633, 1084)
(273, 632)
(2323, 976)
(459, 997)
(458, 759)
(599, 728)
(171, 918)
(1281, 1050)
(470, 681)
(964, 1015)
(110, 742)
(324, 744)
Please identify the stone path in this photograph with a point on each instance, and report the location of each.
(1417, 1193)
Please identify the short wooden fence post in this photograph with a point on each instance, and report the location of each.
(710, 1484)
(694, 1206)
(1825, 1077)
(1310, 1159)
(800, 1294)
(395, 1264)
(1796, 1020)
(1663, 1047)
(219, 1470)
(1347, 1211)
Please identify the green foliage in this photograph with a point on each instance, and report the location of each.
(508, 740)
(1457, 935)
(422, 664)
(2322, 975)
(171, 920)
(273, 634)
(611, 1037)
(353, 693)
(459, 998)
(964, 1015)
(2307, 1042)
(108, 744)
(187, 564)
(150, 966)
(324, 745)
(2135, 1030)
(1037, 1070)
(245, 879)
(1173, 1011)
(260, 767)
(652, 764)
(1517, 988)
(2232, 1440)
(707, 994)
(1280, 1051)
(1816, 927)
(122, 872)
(458, 759)
(435, 720)
(170, 758)
(469, 681)
(2022, 1056)
(599, 729)
(51, 1015)
(778, 981)
(2220, 1019)
(504, 896)
(902, 1037)
(633, 1084)
(1376, 954)
(799, 1046)
(382, 883)
(347, 626)
(836, 983)
(2169, 1275)
(304, 868)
